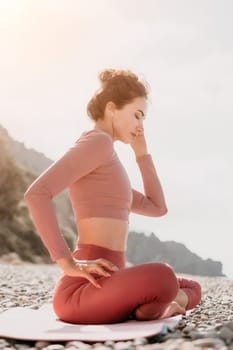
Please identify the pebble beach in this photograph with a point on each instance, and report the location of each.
(208, 326)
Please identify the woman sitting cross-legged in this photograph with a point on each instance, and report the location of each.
(96, 287)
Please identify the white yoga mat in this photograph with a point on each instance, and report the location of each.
(42, 324)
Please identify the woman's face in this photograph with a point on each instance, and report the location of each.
(128, 121)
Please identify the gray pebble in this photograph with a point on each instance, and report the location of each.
(195, 334)
(41, 344)
(229, 325)
(226, 334)
(178, 344)
(209, 342)
(186, 346)
(123, 345)
(211, 313)
(140, 341)
(3, 343)
(96, 345)
(182, 323)
(189, 327)
(21, 346)
(54, 347)
(109, 343)
(154, 346)
(78, 345)
(204, 317)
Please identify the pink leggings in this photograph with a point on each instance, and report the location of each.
(149, 287)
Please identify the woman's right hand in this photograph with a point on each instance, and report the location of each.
(85, 268)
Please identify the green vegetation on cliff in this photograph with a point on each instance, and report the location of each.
(17, 231)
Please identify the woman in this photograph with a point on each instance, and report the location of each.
(96, 287)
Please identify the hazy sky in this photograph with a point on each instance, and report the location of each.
(51, 52)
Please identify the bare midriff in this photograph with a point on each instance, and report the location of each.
(106, 232)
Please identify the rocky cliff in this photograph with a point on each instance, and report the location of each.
(17, 231)
(142, 248)
(34, 163)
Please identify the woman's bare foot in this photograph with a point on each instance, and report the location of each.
(173, 309)
(140, 316)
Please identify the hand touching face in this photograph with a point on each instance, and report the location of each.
(128, 121)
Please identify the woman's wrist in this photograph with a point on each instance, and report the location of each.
(141, 154)
(66, 263)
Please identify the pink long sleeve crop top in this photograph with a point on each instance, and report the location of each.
(98, 187)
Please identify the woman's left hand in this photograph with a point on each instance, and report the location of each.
(138, 144)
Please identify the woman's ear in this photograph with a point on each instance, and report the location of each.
(110, 107)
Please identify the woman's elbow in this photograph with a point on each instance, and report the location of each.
(27, 195)
(160, 211)
(37, 191)
(31, 192)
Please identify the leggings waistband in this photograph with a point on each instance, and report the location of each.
(92, 251)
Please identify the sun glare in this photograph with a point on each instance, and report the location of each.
(9, 4)
(9, 11)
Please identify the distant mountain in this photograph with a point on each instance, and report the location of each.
(17, 232)
(142, 248)
(34, 161)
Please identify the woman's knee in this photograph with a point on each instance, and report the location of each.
(168, 282)
(192, 289)
(162, 278)
(195, 295)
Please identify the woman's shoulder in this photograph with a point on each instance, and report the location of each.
(94, 143)
(95, 136)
